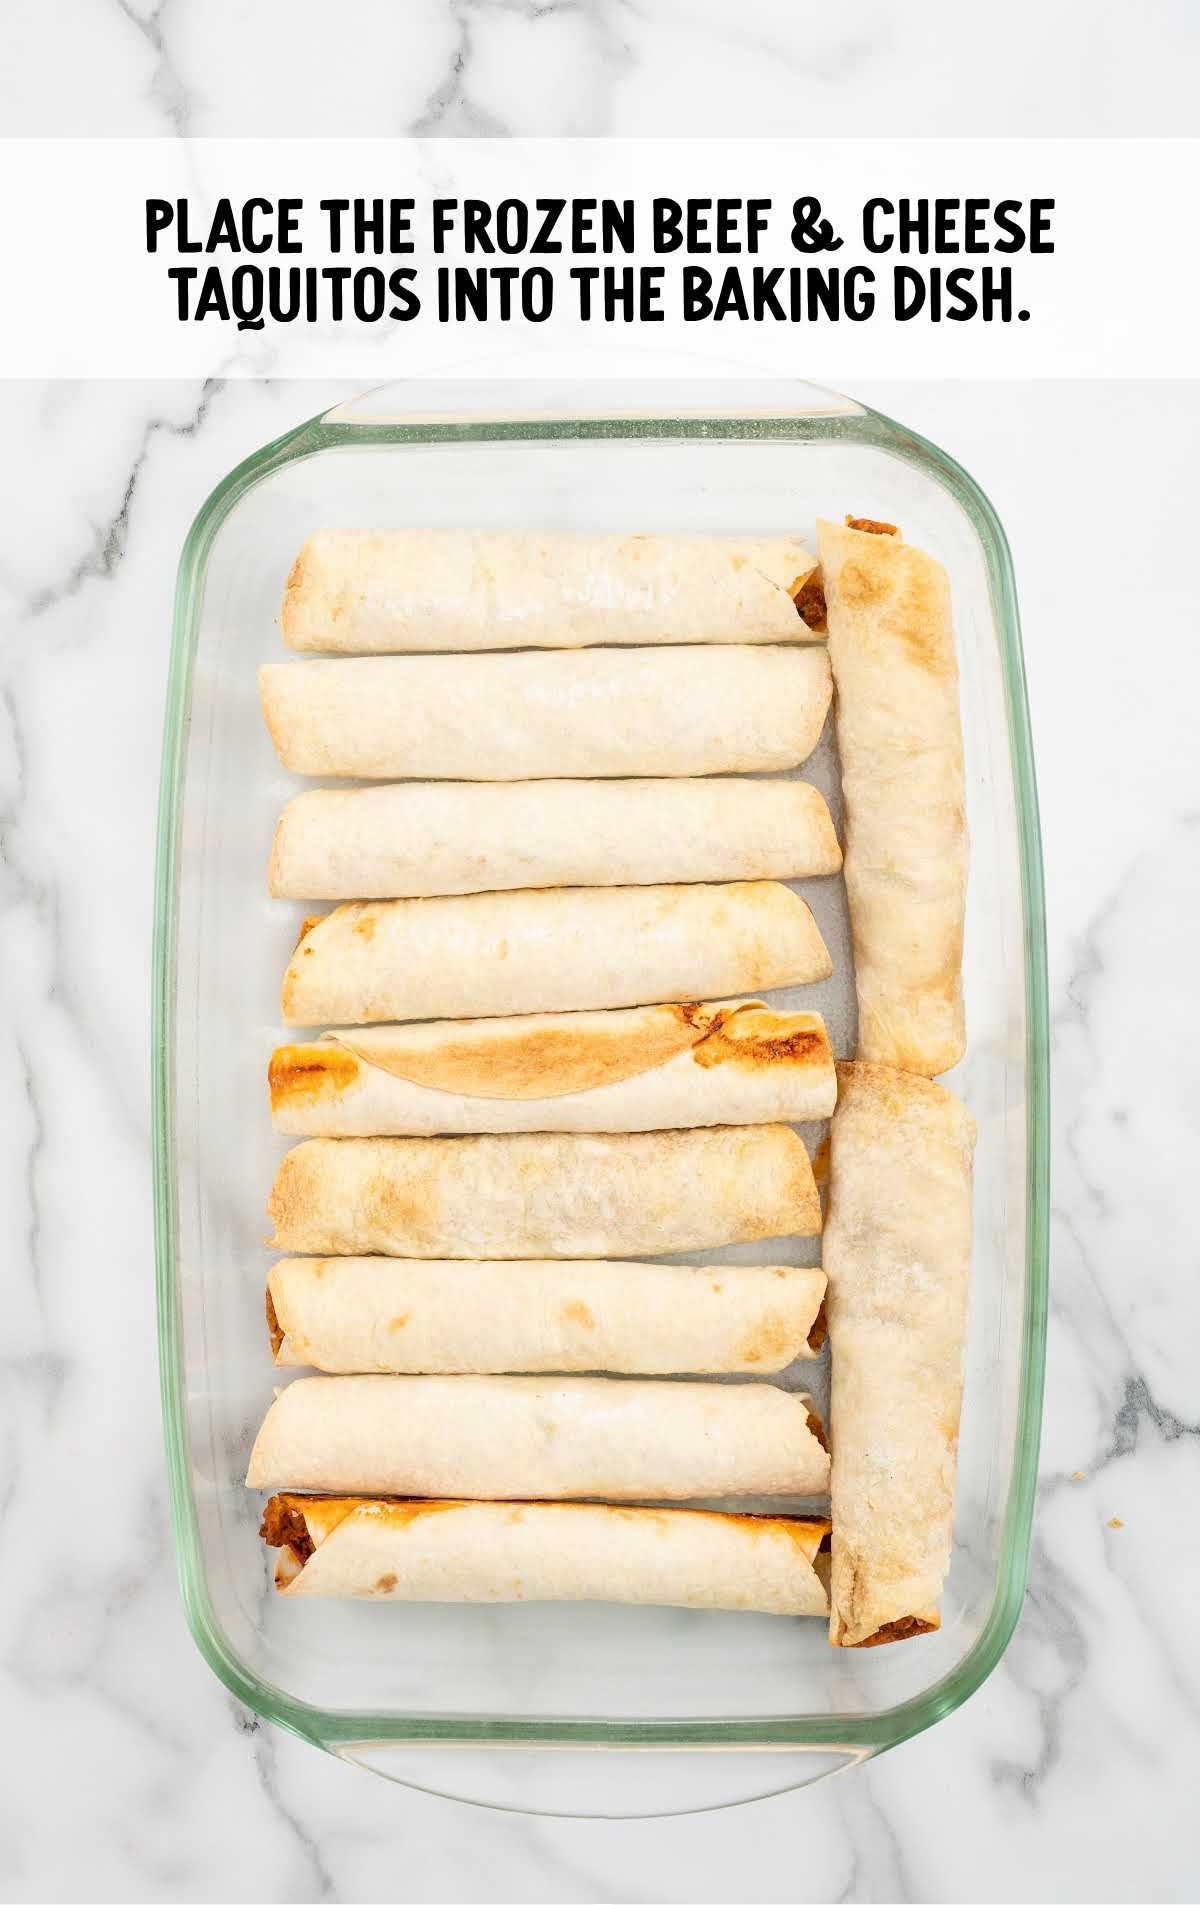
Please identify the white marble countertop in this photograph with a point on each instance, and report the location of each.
(129, 1773)
(1072, 1772)
(600, 68)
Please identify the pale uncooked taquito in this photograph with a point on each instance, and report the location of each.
(891, 642)
(541, 1437)
(346, 1547)
(391, 1315)
(377, 591)
(648, 1068)
(424, 838)
(539, 715)
(544, 1194)
(557, 949)
(897, 1251)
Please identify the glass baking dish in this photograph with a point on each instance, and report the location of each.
(768, 1700)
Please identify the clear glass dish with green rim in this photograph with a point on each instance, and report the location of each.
(691, 1710)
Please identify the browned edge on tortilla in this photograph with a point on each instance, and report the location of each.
(498, 1060)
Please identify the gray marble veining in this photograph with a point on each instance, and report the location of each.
(1090, 1725)
(695, 68)
(1071, 1773)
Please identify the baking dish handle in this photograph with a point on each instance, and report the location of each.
(604, 1783)
(469, 404)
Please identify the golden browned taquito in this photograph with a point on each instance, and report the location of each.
(891, 642)
(394, 590)
(594, 713)
(555, 950)
(897, 1251)
(650, 1068)
(350, 1548)
(543, 1194)
(398, 1316)
(420, 838)
(548, 1438)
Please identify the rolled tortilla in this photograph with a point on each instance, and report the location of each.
(494, 955)
(350, 1548)
(650, 1068)
(593, 714)
(359, 592)
(543, 1195)
(891, 642)
(545, 1438)
(897, 1252)
(422, 839)
(384, 1315)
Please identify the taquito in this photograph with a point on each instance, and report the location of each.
(891, 642)
(897, 1252)
(543, 1195)
(396, 1316)
(350, 1548)
(494, 955)
(594, 713)
(425, 839)
(650, 1068)
(546, 1438)
(363, 592)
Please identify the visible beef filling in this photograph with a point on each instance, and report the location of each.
(273, 1323)
(284, 1526)
(819, 1330)
(823, 1560)
(904, 1629)
(816, 1428)
(810, 601)
(870, 528)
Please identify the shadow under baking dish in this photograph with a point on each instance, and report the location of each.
(770, 1700)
